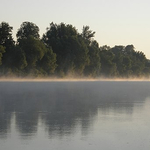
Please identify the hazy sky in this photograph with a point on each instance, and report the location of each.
(116, 22)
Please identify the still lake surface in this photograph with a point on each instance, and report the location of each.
(105, 115)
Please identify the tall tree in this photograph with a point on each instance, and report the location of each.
(87, 33)
(47, 64)
(69, 47)
(138, 63)
(5, 34)
(2, 50)
(28, 29)
(122, 60)
(94, 67)
(108, 67)
(20, 61)
(34, 49)
(8, 43)
(37, 55)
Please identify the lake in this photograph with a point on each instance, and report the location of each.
(104, 115)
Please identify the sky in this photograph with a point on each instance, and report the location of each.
(116, 22)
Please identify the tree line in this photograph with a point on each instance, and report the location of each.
(63, 51)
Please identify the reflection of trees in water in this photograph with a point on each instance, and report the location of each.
(5, 116)
(5, 122)
(27, 122)
(26, 113)
(65, 106)
(63, 118)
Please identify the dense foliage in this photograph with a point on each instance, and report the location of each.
(63, 51)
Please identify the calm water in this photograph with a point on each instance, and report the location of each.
(75, 115)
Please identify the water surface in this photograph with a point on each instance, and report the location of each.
(94, 115)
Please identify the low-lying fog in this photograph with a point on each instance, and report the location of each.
(39, 114)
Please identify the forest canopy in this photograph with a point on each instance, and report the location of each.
(63, 51)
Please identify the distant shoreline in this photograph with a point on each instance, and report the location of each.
(15, 79)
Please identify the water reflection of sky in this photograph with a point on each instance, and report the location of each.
(87, 112)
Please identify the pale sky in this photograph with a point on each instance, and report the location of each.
(116, 22)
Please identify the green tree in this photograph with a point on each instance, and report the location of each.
(87, 33)
(129, 49)
(69, 47)
(122, 59)
(28, 29)
(147, 68)
(20, 61)
(108, 67)
(137, 59)
(34, 51)
(2, 50)
(47, 64)
(128, 61)
(94, 67)
(138, 63)
(6, 34)
(8, 43)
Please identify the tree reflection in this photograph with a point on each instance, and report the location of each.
(65, 106)
(5, 122)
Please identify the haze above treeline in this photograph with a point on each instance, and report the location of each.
(63, 51)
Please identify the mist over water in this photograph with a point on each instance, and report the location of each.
(74, 115)
(69, 78)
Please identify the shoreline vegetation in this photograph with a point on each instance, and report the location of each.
(64, 54)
